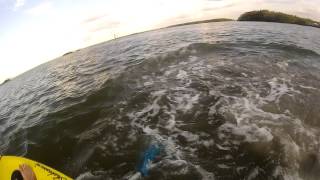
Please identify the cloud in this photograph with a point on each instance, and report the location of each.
(106, 25)
(41, 8)
(18, 4)
(99, 22)
(280, 1)
(210, 5)
(94, 18)
(219, 7)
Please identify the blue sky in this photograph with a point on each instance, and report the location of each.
(35, 31)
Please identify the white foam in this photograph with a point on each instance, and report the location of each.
(171, 123)
(283, 65)
(152, 109)
(253, 174)
(186, 101)
(228, 156)
(205, 174)
(182, 74)
(193, 58)
(168, 72)
(183, 63)
(244, 109)
(244, 74)
(135, 176)
(148, 83)
(180, 89)
(223, 148)
(212, 110)
(171, 149)
(308, 87)
(251, 133)
(158, 93)
(292, 151)
(223, 166)
(247, 111)
(208, 143)
(286, 174)
(190, 137)
(150, 131)
(86, 175)
(278, 88)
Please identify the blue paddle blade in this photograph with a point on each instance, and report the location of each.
(148, 156)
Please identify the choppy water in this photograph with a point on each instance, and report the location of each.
(231, 100)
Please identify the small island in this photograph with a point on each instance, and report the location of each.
(200, 22)
(5, 81)
(70, 52)
(272, 16)
(264, 16)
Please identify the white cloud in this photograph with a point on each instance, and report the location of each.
(95, 17)
(40, 9)
(54, 28)
(18, 4)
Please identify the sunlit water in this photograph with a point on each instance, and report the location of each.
(231, 100)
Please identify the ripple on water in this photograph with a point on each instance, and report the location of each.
(241, 103)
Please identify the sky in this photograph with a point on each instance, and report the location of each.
(35, 31)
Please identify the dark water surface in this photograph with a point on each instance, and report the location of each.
(230, 100)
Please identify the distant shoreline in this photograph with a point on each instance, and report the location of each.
(291, 19)
(200, 22)
(256, 16)
(263, 16)
(279, 17)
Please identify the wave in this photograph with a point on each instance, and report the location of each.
(219, 110)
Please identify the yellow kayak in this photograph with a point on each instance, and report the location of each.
(10, 164)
